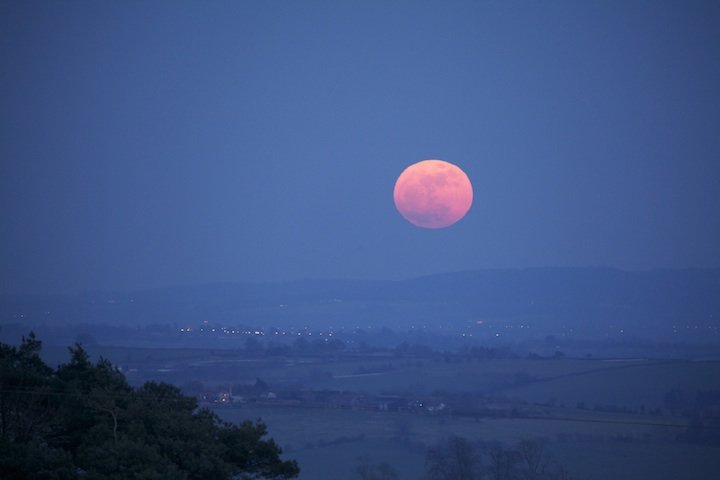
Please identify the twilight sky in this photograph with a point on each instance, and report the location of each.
(161, 143)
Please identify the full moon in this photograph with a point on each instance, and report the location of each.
(433, 194)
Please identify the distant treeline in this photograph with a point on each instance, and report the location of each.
(460, 459)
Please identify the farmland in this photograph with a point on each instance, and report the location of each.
(330, 409)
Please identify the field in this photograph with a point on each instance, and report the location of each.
(602, 418)
(624, 382)
(629, 383)
(328, 443)
(594, 445)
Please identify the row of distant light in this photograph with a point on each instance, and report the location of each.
(259, 333)
(330, 334)
(250, 332)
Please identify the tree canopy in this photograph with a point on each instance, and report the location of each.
(82, 420)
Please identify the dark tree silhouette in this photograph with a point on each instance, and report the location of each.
(83, 420)
(456, 459)
(503, 464)
(370, 471)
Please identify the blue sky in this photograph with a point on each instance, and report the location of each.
(161, 143)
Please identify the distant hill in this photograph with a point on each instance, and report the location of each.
(591, 300)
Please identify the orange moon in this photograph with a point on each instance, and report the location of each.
(433, 194)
